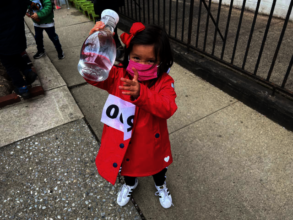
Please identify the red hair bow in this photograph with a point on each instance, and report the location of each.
(136, 28)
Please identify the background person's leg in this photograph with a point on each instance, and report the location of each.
(11, 64)
(55, 39)
(22, 64)
(30, 76)
(116, 38)
(39, 39)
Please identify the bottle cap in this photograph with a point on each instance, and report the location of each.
(111, 13)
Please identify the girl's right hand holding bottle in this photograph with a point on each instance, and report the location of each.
(98, 26)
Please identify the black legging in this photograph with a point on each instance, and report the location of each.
(159, 178)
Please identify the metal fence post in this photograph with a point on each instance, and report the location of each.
(190, 24)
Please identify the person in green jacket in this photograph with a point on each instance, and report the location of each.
(43, 20)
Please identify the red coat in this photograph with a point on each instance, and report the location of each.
(149, 150)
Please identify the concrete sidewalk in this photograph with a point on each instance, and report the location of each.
(230, 162)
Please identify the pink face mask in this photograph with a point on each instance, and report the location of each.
(145, 71)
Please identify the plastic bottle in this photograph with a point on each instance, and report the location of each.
(98, 52)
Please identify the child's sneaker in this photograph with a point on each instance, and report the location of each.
(38, 55)
(22, 91)
(165, 196)
(125, 193)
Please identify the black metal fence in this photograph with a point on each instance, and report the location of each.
(246, 41)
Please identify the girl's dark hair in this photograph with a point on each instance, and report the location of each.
(157, 36)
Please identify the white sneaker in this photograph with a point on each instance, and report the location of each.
(165, 196)
(125, 193)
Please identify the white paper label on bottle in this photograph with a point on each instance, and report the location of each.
(119, 114)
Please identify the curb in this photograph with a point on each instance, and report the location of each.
(9, 100)
(255, 95)
(14, 98)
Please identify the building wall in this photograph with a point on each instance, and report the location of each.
(280, 11)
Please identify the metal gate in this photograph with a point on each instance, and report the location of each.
(256, 45)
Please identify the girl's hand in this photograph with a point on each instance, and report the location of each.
(35, 16)
(98, 26)
(132, 86)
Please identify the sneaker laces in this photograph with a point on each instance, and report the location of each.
(124, 192)
(163, 192)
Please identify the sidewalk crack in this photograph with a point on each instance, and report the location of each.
(203, 117)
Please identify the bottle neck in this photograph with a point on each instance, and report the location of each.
(109, 22)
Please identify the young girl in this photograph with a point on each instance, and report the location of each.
(142, 80)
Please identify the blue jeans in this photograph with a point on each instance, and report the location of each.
(52, 35)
